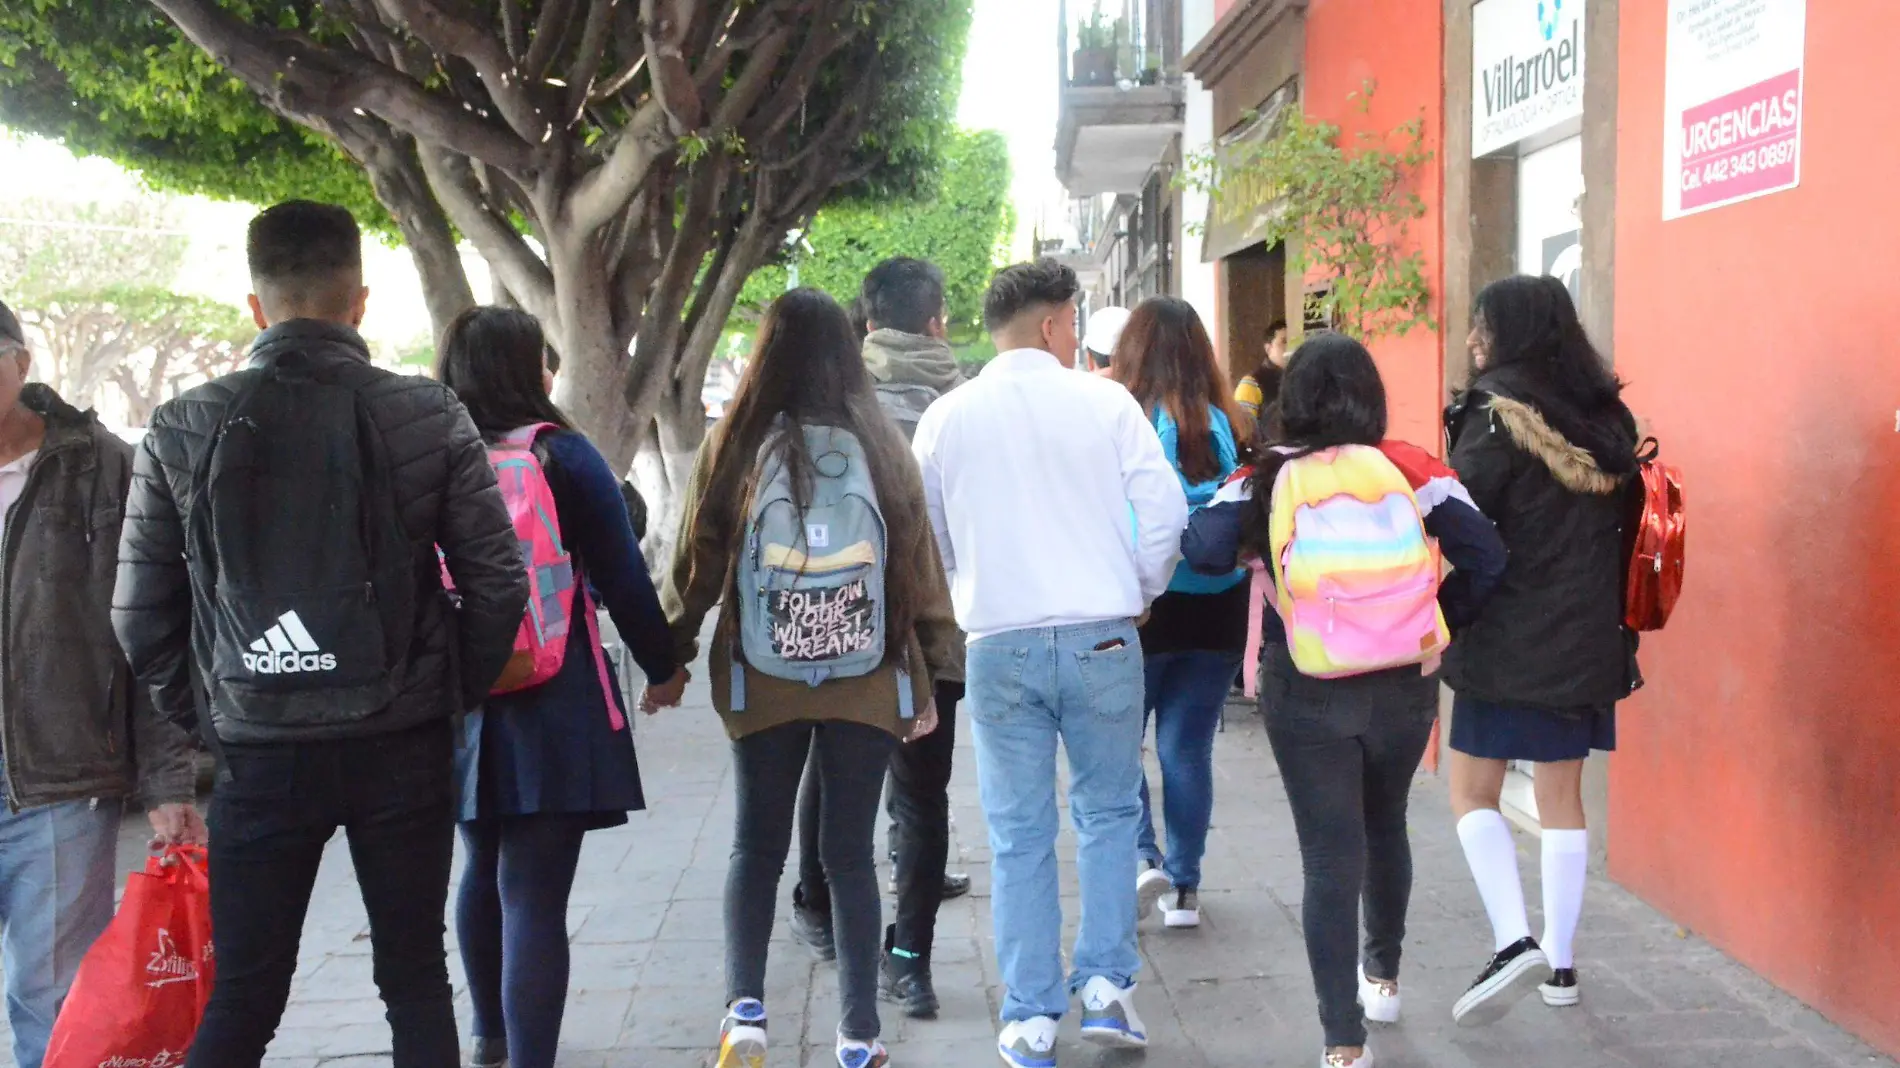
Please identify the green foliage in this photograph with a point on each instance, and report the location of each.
(113, 78)
(961, 229)
(1098, 30)
(116, 80)
(1341, 208)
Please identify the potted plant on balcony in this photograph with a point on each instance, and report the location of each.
(1097, 41)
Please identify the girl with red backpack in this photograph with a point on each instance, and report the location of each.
(1548, 450)
(551, 758)
(1352, 526)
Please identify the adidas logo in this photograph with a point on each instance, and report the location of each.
(286, 649)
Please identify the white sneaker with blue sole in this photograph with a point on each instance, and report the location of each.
(1029, 1043)
(1109, 1017)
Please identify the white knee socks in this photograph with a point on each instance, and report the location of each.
(1566, 859)
(1492, 854)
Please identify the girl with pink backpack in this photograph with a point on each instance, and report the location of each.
(549, 756)
(1354, 530)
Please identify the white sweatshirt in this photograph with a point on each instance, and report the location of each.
(1050, 497)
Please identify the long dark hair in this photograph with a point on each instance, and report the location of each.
(494, 359)
(807, 369)
(1330, 395)
(1166, 360)
(1537, 352)
(1531, 325)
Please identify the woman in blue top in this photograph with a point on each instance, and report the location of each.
(539, 768)
(1197, 631)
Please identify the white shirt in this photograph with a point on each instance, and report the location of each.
(13, 478)
(1050, 498)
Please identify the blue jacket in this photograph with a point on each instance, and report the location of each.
(1200, 494)
(553, 748)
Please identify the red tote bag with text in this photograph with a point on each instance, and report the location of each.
(143, 986)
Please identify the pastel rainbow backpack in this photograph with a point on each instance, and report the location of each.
(1356, 576)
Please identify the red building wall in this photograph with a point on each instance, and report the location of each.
(1756, 796)
(1399, 48)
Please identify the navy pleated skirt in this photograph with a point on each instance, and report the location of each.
(1506, 732)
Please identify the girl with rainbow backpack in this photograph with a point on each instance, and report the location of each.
(1355, 530)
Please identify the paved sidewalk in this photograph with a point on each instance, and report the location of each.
(647, 989)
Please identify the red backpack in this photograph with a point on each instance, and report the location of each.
(1654, 541)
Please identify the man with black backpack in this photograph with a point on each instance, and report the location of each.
(279, 584)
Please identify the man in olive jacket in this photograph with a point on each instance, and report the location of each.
(77, 736)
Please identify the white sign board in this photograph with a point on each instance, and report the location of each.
(1526, 70)
(1731, 101)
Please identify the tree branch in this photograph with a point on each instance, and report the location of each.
(513, 262)
(605, 191)
(667, 23)
(586, 66)
(446, 32)
(313, 85)
(548, 31)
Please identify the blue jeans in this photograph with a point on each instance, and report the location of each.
(57, 872)
(1185, 693)
(1027, 689)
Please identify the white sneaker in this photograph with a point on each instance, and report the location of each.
(1108, 1016)
(1334, 1060)
(1181, 910)
(1562, 991)
(1381, 1006)
(1150, 887)
(742, 1035)
(1029, 1043)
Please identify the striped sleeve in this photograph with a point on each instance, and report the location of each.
(1469, 541)
(1211, 544)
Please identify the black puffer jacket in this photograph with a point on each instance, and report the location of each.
(446, 495)
(1552, 637)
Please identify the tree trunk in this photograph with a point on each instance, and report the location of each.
(395, 172)
(667, 452)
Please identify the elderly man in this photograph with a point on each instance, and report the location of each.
(77, 736)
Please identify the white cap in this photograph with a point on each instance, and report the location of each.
(1105, 330)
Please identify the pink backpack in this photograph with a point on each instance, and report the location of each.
(541, 643)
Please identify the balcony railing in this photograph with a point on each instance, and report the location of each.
(1119, 42)
(1122, 97)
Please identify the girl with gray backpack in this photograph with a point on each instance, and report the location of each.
(805, 519)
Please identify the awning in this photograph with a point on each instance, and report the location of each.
(1240, 210)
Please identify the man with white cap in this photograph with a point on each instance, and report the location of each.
(1104, 332)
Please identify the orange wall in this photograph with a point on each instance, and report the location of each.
(1399, 48)
(1756, 796)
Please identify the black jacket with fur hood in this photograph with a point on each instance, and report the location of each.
(1552, 637)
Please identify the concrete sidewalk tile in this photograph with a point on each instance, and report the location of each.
(647, 982)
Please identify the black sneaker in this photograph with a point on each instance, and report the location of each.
(907, 983)
(903, 978)
(1512, 975)
(814, 929)
(955, 885)
(1562, 991)
(489, 1053)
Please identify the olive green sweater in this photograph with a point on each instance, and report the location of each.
(711, 535)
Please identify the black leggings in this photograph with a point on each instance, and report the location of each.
(1347, 750)
(852, 759)
(511, 918)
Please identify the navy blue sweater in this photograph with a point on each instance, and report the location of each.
(554, 748)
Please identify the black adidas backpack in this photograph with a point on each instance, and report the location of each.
(306, 577)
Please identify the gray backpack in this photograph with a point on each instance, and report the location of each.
(811, 581)
(905, 404)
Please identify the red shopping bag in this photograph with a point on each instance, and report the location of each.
(142, 988)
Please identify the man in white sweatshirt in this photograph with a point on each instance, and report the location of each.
(1059, 521)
